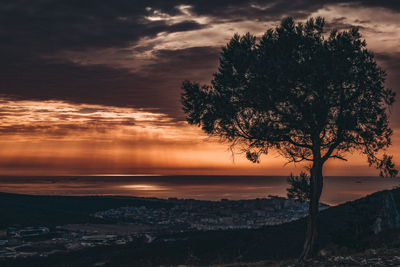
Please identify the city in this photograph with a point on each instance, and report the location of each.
(129, 224)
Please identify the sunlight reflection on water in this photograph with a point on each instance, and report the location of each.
(147, 187)
(336, 189)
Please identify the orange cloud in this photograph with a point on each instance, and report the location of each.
(58, 138)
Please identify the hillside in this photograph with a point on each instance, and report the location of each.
(34, 210)
(370, 222)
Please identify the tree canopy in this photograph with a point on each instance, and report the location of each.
(299, 90)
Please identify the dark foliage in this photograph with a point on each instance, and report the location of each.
(309, 96)
(297, 91)
(299, 187)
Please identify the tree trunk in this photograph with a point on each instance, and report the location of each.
(311, 245)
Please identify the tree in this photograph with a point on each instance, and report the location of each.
(309, 95)
(299, 187)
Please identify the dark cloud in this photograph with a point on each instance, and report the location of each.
(276, 9)
(34, 31)
(390, 62)
(393, 5)
(273, 10)
(48, 26)
(157, 86)
(340, 24)
(45, 26)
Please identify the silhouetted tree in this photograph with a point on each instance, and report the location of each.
(299, 187)
(309, 96)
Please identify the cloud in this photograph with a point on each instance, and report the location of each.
(54, 25)
(390, 61)
(156, 86)
(54, 119)
(393, 5)
(136, 53)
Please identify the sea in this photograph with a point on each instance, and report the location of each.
(336, 190)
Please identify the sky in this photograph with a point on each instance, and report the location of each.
(93, 87)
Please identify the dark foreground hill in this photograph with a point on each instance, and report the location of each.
(34, 210)
(370, 222)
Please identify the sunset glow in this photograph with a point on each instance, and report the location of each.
(60, 138)
(108, 103)
(199, 133)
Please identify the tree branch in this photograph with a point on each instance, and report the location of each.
(338, 157)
